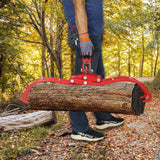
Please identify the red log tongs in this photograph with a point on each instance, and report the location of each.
(86, 78)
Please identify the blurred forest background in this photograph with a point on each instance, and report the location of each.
(33, 41)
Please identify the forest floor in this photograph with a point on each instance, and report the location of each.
(137, 139)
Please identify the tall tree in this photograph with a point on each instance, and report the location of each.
(154, 25)
(35, 10)
(10, 48)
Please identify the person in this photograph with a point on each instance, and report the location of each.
(85, 31)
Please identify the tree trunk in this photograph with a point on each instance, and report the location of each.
(141, 74)
(51, 38)
(119, 59)
(72, 61)
(129, 61)
(152, 61)
(114, 98)
(59, 46)
(43, 60)
(1, 64)
(29, 120)
(155, 67)
(134, 66)
(59, 30)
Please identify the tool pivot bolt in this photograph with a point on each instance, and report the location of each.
(85, 83)
(85, 77)
(72, 80)
(98, 80)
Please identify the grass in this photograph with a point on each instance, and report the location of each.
(21, 142)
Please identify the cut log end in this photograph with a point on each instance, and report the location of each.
(137, 103)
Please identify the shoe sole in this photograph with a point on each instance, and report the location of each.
(104, 126)
(79, 137)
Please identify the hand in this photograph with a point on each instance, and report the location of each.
(85, 44)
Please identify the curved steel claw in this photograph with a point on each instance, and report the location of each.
(25, 96)
(144, 96)
(129, 79)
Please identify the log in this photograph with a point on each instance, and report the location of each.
(114, 98)
(15, 122)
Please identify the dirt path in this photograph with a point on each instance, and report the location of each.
(137, 139)
(145, 79)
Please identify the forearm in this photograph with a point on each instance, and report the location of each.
(80, 16)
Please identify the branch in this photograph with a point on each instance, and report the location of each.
(18, 74)
(34, 14)
(38, 12)
(32, 17)
(28, 41)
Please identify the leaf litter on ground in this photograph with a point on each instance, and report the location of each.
(137, 139)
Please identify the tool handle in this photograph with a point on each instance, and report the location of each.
(86, 64)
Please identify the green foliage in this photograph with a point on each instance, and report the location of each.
(28, 27)
(10, 47)
(156, 81)
(124, 23)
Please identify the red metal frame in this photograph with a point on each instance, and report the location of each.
(87, 79)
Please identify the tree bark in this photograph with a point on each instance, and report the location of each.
(113, 98)
(29, 120)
